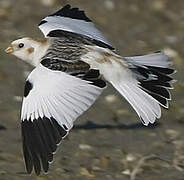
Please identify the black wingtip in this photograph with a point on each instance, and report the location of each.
(42, 22)
(40, 138)
(74, 13)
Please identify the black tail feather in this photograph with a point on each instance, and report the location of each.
(162, 70)
(156, 81)
(156, 89)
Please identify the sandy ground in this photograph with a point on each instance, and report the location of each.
(108, 142)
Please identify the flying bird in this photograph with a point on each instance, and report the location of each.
(73, 64)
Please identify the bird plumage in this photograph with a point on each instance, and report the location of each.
(73, 64)
(72, 21)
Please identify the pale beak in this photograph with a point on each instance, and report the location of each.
(9, 50)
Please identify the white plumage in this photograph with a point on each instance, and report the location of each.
(72, 65)
(116, 72)
(157, 60)
(64, 99)
(80, 27)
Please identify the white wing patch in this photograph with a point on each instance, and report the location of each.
(52, 102)
(58, 95)
(69, 20)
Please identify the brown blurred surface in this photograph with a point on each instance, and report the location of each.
(108, 140)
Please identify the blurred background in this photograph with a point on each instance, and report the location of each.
(108, 142)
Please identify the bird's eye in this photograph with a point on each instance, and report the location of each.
(21, 45)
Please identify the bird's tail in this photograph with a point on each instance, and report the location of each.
(147, 84)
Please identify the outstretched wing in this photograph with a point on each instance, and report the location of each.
(52, 102)
(72, 20)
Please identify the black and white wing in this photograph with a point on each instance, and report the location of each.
(52, 102)
(72, 20)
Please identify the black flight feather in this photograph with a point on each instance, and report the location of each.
(40, 139)
(74, 13)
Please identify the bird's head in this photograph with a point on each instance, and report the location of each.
(28, 50)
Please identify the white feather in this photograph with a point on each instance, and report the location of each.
(77, 26)
(58, 95)
(116, 71)
(155, 59)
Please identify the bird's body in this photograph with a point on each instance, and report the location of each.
(72, 67)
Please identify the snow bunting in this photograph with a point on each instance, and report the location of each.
(72, 65)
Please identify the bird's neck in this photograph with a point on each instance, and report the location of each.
(40, 50)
